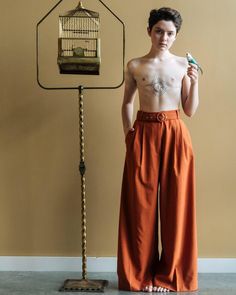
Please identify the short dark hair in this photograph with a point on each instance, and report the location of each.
(165, 13)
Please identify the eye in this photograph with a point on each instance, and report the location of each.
(158, 31)
(171, 34)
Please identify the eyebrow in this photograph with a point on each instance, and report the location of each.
(164, 30)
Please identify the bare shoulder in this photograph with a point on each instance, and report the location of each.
(181, 61)
(134, 63)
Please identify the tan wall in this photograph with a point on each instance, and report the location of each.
(39, 146)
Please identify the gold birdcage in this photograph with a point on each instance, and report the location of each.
(79, 42)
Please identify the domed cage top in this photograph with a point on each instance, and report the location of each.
(79, 42)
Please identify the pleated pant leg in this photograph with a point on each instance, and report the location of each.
(159, 158)
(177, 268)
(137, 239)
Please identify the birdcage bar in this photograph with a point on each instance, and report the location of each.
(88, 25)
(68, 44)
(82, 31)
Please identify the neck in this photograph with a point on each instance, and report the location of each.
(159, 54)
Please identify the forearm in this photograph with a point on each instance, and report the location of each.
(127, 115)
(192, 101)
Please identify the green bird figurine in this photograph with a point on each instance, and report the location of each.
(192, 60)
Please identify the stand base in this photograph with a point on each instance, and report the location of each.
(82, 285)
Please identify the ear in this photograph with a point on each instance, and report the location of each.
(148, 31)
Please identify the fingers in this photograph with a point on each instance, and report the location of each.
(131, 129)
(192, 72)
(191, 65)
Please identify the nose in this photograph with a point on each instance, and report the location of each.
(164, 36)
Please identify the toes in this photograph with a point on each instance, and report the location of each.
(154, 289)
(161, 289)
(147, 289)
(150, 289)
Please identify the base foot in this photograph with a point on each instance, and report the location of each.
(73, 285)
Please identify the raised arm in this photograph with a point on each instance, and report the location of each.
(189, 95)
(128, 101)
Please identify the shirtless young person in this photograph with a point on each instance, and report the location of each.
(162, 78)
(163, 81)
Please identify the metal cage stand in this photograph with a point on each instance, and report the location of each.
(84, 284)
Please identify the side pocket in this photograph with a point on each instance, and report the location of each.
(186, 138)
(130, 133)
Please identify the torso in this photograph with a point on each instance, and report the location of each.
(159, 83)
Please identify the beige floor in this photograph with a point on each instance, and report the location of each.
(47, 283)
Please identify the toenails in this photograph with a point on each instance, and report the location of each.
(160, 289)
(147, 289)
(155, 289)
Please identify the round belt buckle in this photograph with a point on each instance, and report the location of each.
(161, 117)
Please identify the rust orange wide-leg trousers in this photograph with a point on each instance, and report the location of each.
(159, 164)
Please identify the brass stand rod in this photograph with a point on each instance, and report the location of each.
(83, 285)
(82, 170)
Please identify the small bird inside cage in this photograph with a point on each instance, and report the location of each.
(78, 51)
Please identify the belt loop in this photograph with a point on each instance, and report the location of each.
(177, 111)
(141, 116)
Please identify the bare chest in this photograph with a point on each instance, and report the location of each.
(159, 79)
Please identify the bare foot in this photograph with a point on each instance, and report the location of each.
(160, 289)
(148, 289)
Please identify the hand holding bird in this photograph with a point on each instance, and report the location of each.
(192, 60)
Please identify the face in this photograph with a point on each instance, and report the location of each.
(163, 35)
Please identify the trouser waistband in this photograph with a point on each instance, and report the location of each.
(157, 116)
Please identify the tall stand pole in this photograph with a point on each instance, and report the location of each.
(82, 170)
(83, 285)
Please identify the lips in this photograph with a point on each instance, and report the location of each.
(163, 44)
